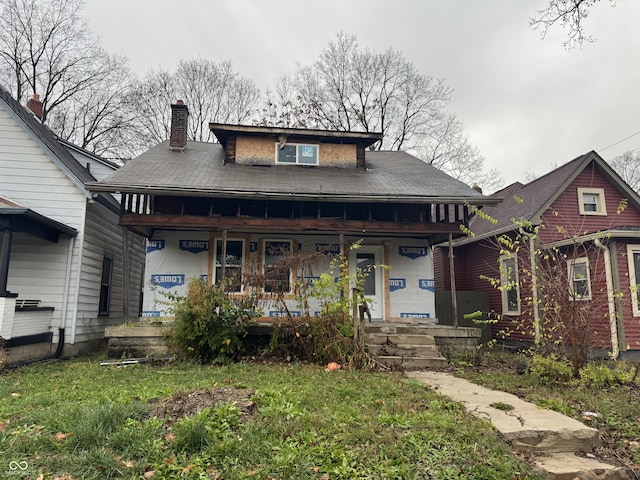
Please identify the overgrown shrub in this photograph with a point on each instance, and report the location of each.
(328, 334)
(210, 324)
(599, 375)
(550, 369)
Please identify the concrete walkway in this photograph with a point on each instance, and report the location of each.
(553, 437)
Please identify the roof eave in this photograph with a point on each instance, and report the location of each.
(182, 191)
(222, 131)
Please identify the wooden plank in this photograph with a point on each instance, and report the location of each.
(323, 224)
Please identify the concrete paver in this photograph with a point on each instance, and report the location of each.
(553, 436)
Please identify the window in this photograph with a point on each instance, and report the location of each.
(579, 279)
(277, 274)
(633, 258)
(297, 153)
(509, 285)
(591, 201)
(233, 264)
(105, 284)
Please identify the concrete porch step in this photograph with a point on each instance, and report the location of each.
(398, 339)
(408, 346)
(413, 363)
(404, 350)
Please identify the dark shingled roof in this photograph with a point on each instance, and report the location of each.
(50, 141)
(530, 201)
(200, 170)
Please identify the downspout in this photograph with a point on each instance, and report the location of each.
(534, 291)
(613, 325)
(65, 296)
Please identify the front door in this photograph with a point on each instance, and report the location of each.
(363, 260)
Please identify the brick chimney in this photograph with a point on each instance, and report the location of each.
(179, 116)
(35, 105)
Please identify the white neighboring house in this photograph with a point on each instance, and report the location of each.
(67, 269)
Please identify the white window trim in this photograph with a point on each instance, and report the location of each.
(602, 205)
(570, 266)
(317, 147)
(503, 281)
(242, 264)
(634, 278)
(264, 256)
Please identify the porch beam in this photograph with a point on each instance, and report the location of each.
(291, 224)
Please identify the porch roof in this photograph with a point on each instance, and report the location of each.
(22, 219)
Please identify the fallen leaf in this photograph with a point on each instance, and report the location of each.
(60, 437)
(149, 474)
(3, 425)
(15, 395)
(333, 366)
(169, 437)
(128, 463)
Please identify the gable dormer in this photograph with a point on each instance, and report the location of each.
(266, 146)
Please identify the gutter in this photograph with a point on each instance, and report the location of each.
(181, 191)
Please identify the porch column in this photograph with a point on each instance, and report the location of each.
(5, 253)
(452, 276)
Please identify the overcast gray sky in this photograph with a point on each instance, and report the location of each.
(528, 104)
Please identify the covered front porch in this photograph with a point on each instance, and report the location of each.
(26, 320)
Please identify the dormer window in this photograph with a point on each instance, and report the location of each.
(591, 201)
(297, 154)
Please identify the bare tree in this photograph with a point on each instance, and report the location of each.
(570, 14)
(355, 89)
(627, 166)
(47, 48)
(447, 148)
(212, 91)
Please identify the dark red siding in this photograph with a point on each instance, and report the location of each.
(565, 212)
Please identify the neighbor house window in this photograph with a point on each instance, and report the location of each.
(591, 201)
(579, 279)
(105, 284)
(234, 256)
(297, 153)
(509, 285)
(633, 259)
(277, 274)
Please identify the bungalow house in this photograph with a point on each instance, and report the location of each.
(211, 208)
(561, 262)
(67, 269)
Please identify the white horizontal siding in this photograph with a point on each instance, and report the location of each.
(37, 272)
(31, 323)
(29, 176)
(99, 170)
(103, 235)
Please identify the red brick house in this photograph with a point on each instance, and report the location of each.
(586, 245)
